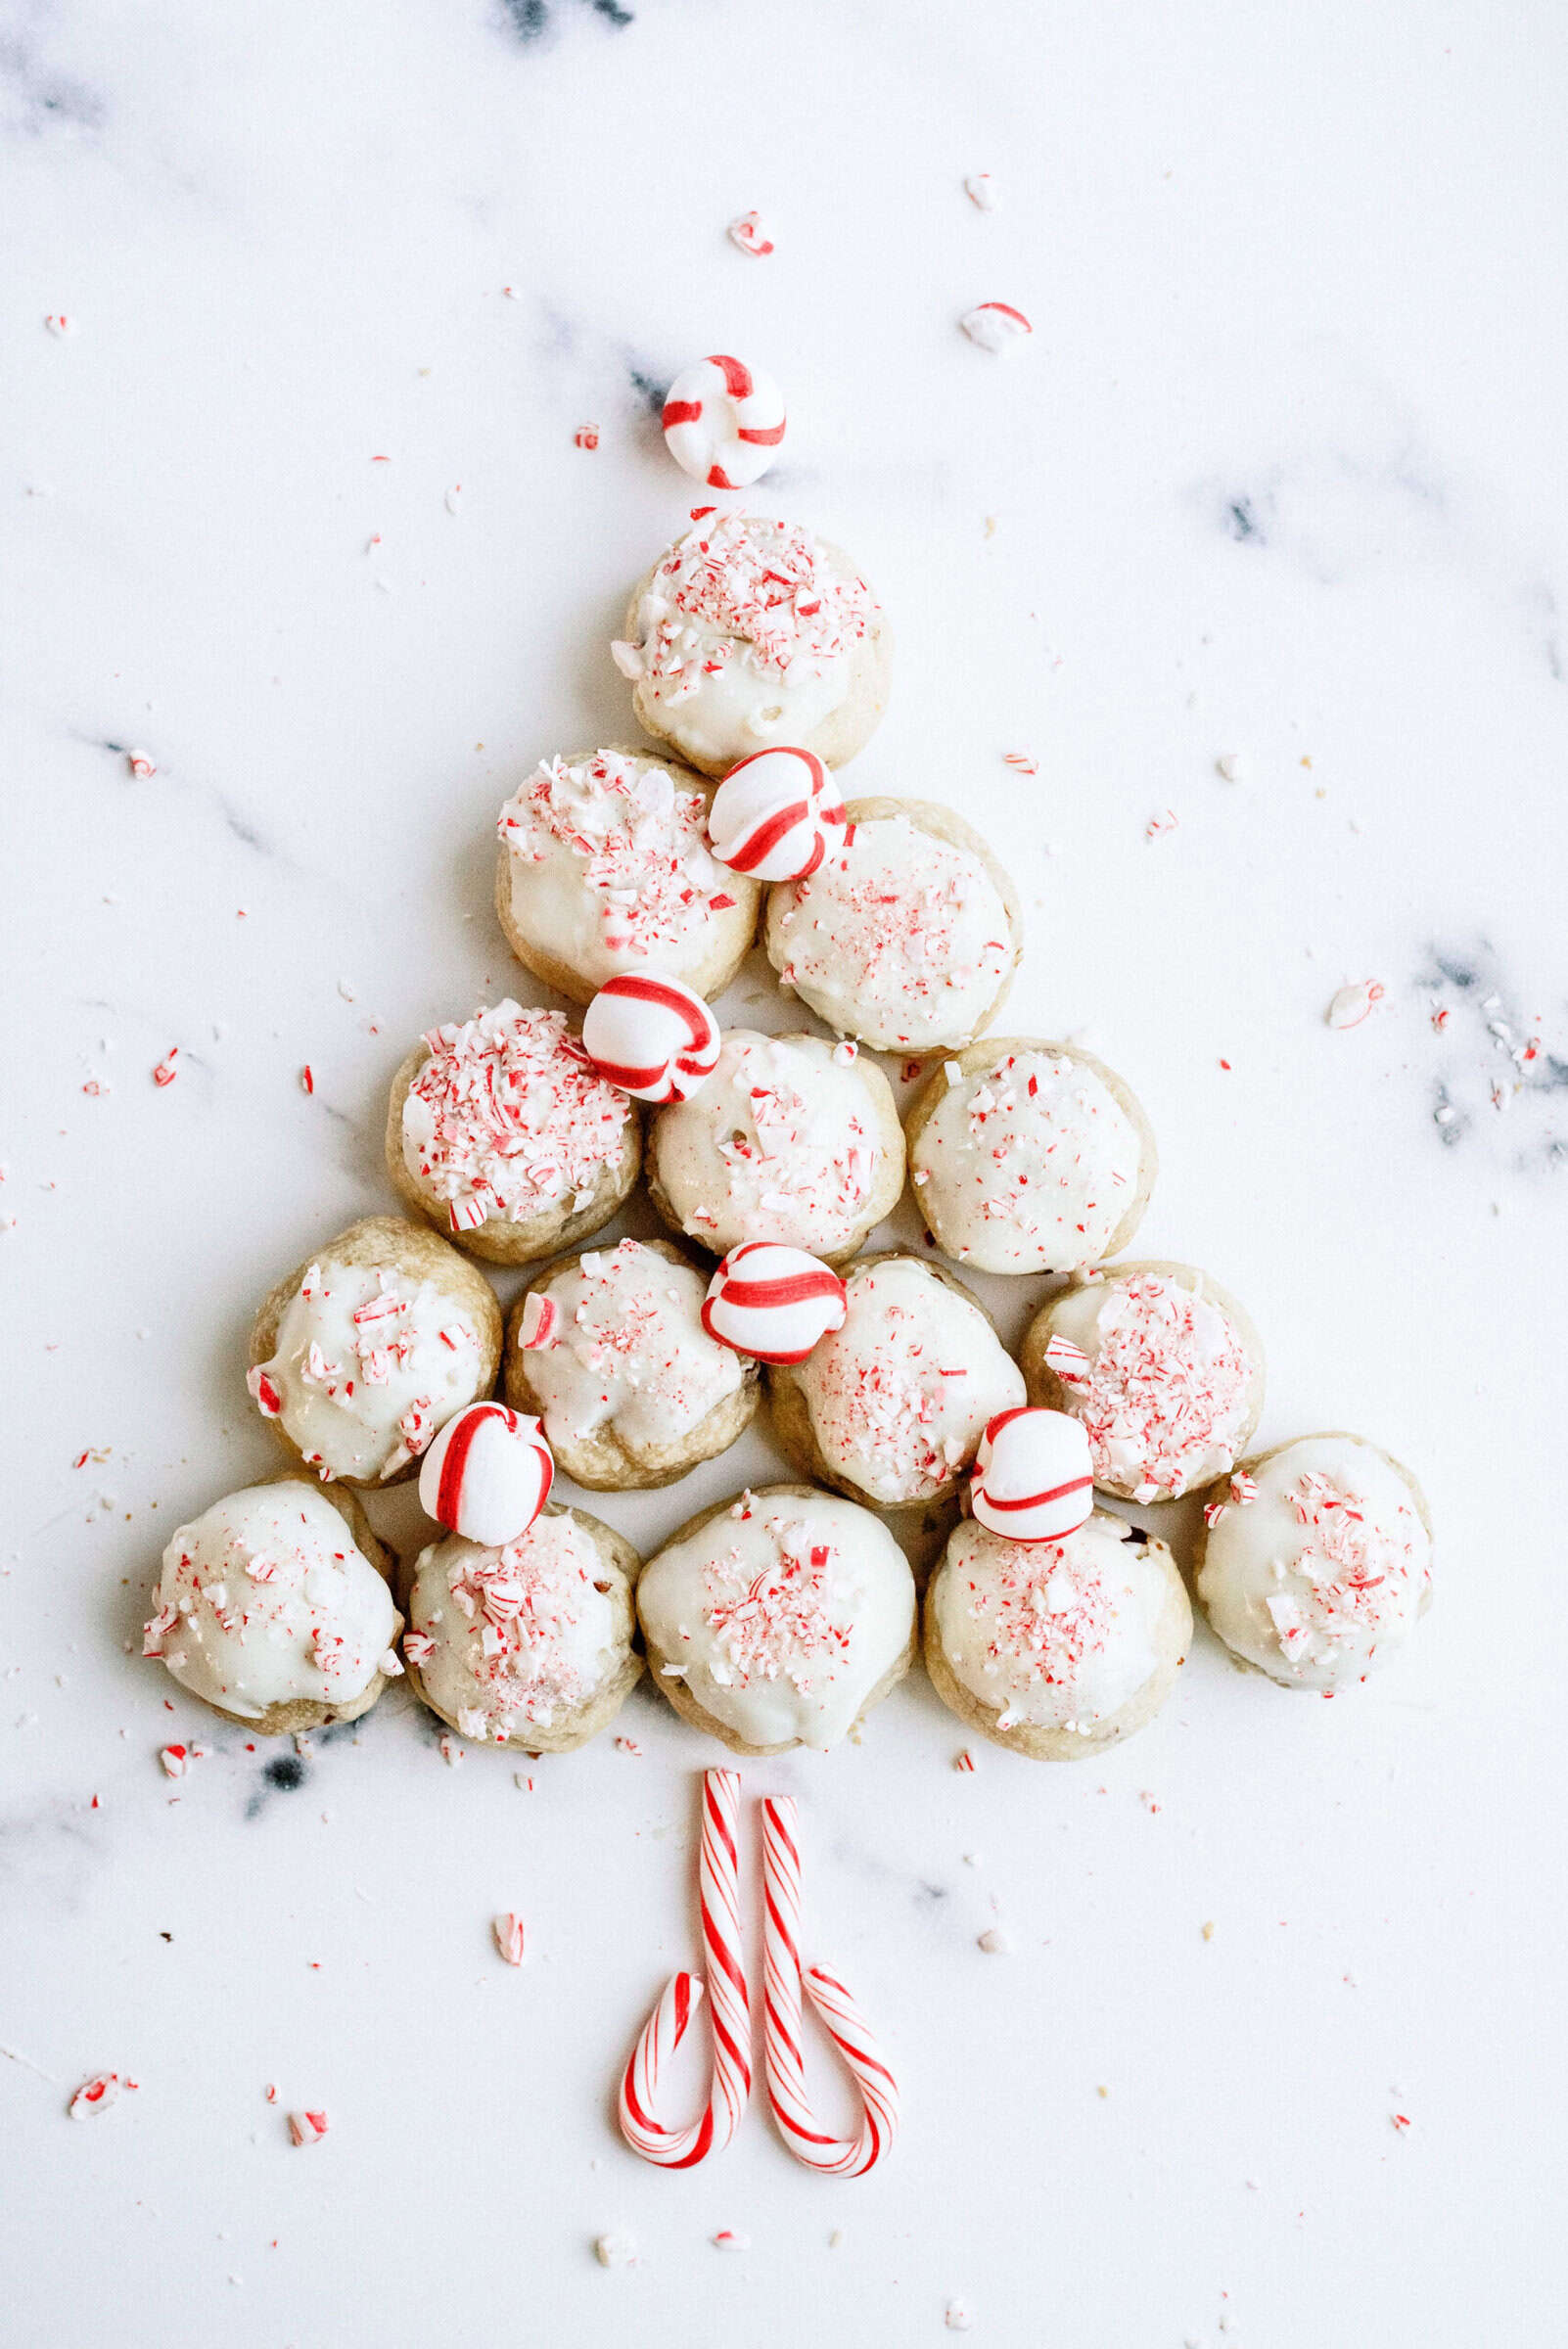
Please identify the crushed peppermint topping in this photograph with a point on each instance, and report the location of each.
(308, 2128)
(744, 586)
(1046, 1606)
(902, 921)
(518, 1614)
(798, 1160)
(1167, 1394)
(641, 844)
(507, 1118)
(509, 1936)
(1357, 1572)
(778, 1622)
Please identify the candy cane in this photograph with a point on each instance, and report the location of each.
(729, 2015)
(842, 2018)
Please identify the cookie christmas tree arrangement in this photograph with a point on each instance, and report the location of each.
(633, 882)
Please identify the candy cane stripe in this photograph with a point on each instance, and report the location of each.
(728, 2010)
(840, 2017)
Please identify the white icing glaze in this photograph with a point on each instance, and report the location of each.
(266, 1599)
(1165, 1392)
(1322, 1575)
(507, 1119)
(1027, 1165)
(631, 1354)
(517, 1635)
(609, 865)
(487, 1474)
(899, 1397)
(1054, 1634)
(780, 1144)
(367, 1365)
(900, 937)
(744, 637)
(783, 1613)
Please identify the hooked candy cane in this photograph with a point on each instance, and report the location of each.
(729, 2013)
(840, 2017)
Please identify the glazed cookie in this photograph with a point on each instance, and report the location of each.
(605, 865)
(1164, 1372)
(792, 1139)
(1316, 1562)
(529, 1645)
(749, 631)
(608, 1349)
(906, 936)
(502, 1131)
(274, 1608)
(1028, 1157)
(778, 1619)
(370, 1345)
(891, 1407)
(1056, 1649)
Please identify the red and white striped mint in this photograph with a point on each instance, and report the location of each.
(651, 1036)
(776, 815)
(995, 326)
(487, 1474)
(773, 1302)
(722, 422)
(1032, 1479)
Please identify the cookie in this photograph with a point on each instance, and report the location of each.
(630, 1388)
(501, 1131)
(906, 936)
(275, 1607)
(605, 867)
(1028, 1157)
(792, 1139)
(1056, 1649)
(527, 1646)
(1162, 1368)
(1316, 1562)
(748, 632)
(364, 1350)
(891, 1407)
(778, 1619)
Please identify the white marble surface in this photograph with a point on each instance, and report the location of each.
(1283, 474)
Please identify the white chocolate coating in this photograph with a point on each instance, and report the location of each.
(1166, 1391)
(784, 1614)
(367, 1365)
(744, 638)
(264, 1599)
(780, 1144)
(609, 866)
(504, 1121)
(1057, 1634)
(633, 1354)
(1325, 1573)
(519, 1636)
(899, 1396)
(900, 937)
(1028, 1165)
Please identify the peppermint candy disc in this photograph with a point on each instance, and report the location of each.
(775, 815)
(651, 1036)
(773, 1303)
(722, 422)
(1032, 1480)
(995, 326)
(487, 1475)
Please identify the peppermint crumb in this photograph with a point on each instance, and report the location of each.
(727, 2239)
(1232, 766)
(615, 2251)
(958, 2317)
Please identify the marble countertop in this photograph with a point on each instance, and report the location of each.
(294, 509)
